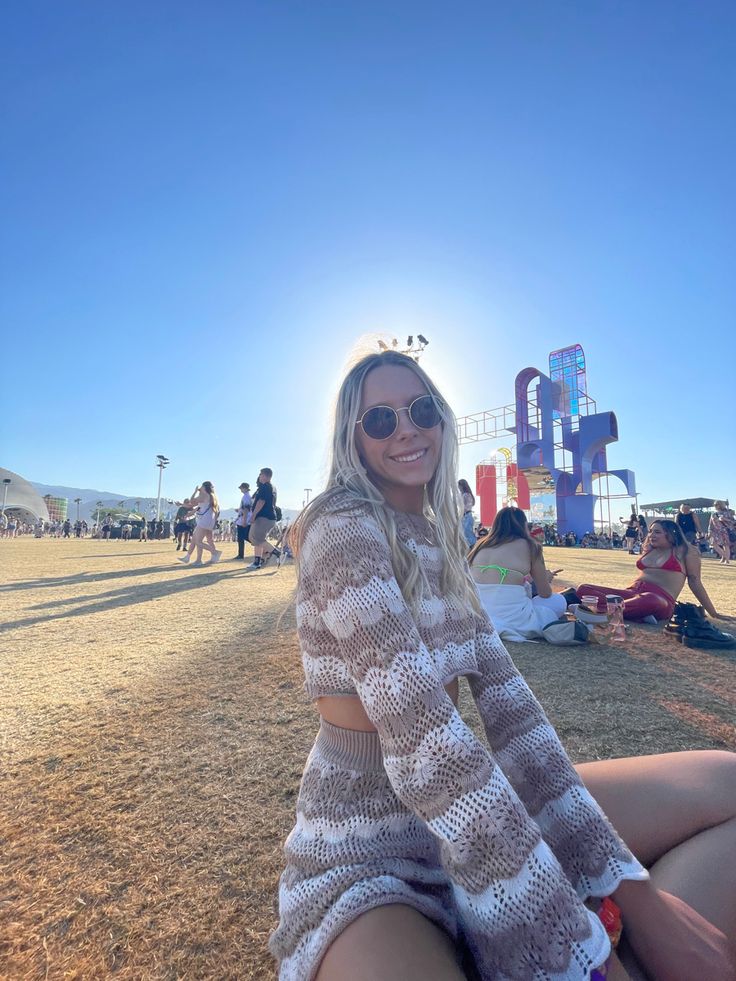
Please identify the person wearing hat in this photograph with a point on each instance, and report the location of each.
(243, 520)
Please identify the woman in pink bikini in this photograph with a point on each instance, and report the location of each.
(666, 562)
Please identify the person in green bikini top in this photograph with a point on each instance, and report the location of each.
(501, 584)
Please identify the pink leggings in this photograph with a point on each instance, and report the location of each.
(641, 599)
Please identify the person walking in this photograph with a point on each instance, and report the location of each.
(205, 504)
(243, 521)
(262, 520)
(182, 527)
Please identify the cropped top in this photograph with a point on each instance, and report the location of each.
(671, 565)
(520, 838)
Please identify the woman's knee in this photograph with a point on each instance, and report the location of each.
(719, 767)
(392, 943)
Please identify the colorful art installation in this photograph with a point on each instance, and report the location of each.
(561, 442)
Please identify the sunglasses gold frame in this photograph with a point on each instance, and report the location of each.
(440, 405)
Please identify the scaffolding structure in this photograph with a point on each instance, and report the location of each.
(560, 447)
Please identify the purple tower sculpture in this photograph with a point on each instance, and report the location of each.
(561, 442)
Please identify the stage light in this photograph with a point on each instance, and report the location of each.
(422, 339)
(383, 347)
(409, 340)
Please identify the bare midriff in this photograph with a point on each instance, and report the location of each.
(347, 712)
(670, 582)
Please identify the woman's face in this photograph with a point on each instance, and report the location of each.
(658, 537)
(402, 465)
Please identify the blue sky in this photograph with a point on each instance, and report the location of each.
(205, 206)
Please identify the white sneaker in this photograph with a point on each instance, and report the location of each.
(215, 557)
(253, 565)
(183, 558)
(198, 564)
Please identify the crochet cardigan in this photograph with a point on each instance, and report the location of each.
(521, 840)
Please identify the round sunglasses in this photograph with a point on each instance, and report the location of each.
(382, 421)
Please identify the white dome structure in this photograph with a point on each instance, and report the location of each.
(21, 498)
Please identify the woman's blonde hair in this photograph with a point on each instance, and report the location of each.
(442, 502)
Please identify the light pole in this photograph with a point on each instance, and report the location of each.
(413, 348)
(307, 491)
(162, 465)
(77, 501)
(99, 508)
(6, 484)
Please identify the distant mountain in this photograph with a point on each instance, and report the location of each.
(145, 505)
(85, 493)
(89, 498)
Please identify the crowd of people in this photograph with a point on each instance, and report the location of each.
(197, 520)
(719, 539)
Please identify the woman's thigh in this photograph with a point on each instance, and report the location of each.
(392, 943)
(657, 802)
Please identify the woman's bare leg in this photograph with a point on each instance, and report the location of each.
(677, 813)
(196, 542)
(391, 943)
(207, 542)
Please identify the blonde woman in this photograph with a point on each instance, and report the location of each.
(206, 507)
(419, 850)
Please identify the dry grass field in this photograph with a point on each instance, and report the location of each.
(153, 731)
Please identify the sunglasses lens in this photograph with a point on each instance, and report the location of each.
(425, 412)
(380, 422)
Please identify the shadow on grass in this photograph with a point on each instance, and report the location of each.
(129, 595)
(86, 577)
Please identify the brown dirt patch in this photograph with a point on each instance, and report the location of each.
(153, 731)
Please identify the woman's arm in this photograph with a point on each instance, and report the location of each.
(592, 855)
(692, 568)
(198, 497)
(541, 575)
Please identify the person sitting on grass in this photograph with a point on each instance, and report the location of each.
(667, 562)
(421, 850)
(501, 564)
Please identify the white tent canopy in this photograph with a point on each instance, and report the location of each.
(21, 496)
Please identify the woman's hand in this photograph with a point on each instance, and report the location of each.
(723, 616)
(671, 940)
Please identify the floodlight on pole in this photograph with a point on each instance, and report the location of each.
(77, 501)
(307, 491)
(414, 347)
(6, 483)
(162, 464)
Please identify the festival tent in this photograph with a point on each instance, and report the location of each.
(665, 507)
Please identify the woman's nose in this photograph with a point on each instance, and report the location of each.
(405, 426)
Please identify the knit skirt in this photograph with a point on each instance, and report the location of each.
(354, 847)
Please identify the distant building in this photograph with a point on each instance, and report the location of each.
(22, 498)
(58, 507)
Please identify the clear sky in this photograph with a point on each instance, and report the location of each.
(205, 205)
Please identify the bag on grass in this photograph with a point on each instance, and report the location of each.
(566, 633)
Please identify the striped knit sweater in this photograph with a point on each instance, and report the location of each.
(520, 838)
